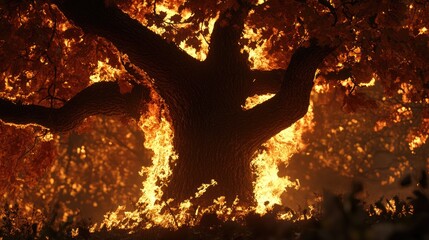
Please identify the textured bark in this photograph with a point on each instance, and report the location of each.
(101, 98)
(213, 152)
(292, 100)
(214, 137)
(218, 143)
(264, 82)
(171, 67)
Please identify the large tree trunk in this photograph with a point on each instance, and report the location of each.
(216, 158)
(214, 137)
(212, 148)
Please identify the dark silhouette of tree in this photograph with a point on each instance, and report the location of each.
(214, 137)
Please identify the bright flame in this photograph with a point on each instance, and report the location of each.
(152, 210)
(159, 137)
(369, 84)
(423, 30)
(256, 53)
(268, 185)
(417, 141)
(105, 72)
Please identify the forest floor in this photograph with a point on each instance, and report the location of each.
(339, 217)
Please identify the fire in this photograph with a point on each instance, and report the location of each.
(105, 72)
(417, 139)
(389, 206)
(256, 53)
(159, 137)
(268, 186)
(423, 30)
(138, 10)
(151, 210)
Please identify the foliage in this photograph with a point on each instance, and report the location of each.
(87, 179)
(371, 145)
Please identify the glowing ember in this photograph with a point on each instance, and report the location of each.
(417, 141)
(423, 30)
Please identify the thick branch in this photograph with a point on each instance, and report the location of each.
(264, 82)
(163, 61)
(226, 84)
(224, 40)
(100, 98)
(338, 76)
(291, 102)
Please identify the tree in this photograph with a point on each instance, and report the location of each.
(214, 137)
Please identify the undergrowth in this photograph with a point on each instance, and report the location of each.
(338, 217)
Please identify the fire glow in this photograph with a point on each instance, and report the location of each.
(268, 186)
(151, 210)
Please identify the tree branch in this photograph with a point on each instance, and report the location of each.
(291, 102)
(224, 40)
(264, 82)
(100, 98)
(338, 75)
(227, 68)
(163, 61)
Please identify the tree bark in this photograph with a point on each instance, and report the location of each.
(100, 98)
(218, 143)
(217, 153)
(292, 100)
(264, 82)
(171, 68)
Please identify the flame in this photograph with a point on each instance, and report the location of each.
(105, 72)
(269, 186)
(151, 210)
(159, 138)
(138, 10)
(417, 141)
(418, 138)
(423, 30)
(390, 206)
(255, 53)
(369, 84)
